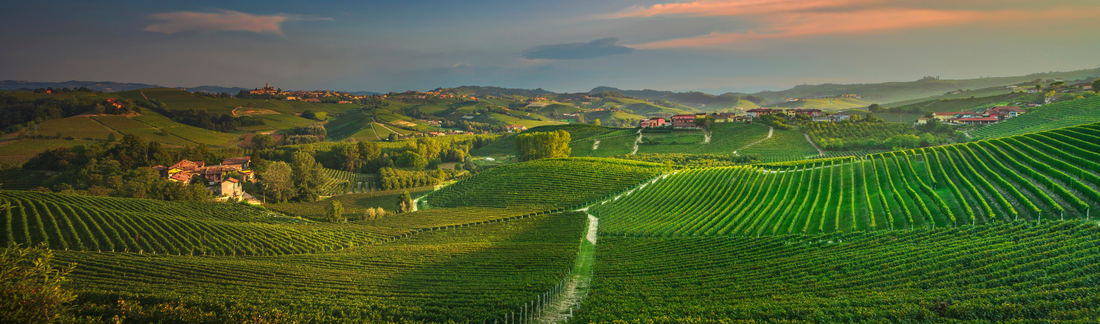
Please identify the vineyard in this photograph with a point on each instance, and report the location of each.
(545, 184)
(1050, 175)
(338, 182)
(1048, 117)
(67, 222)
(784, 145)
(1006, 272)
(468, 274)
(856, 135)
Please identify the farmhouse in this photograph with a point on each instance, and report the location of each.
(1003, 112)
(683, 121)
(184, 170)
(759, 112)
(805, 112)
(976, 120)
(512, 128)
(230, 187)
(652, 122)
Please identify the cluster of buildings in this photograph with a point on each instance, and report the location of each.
(310, 96)
(989, 116)
(814, 114)
(688, 120)
(217, 175)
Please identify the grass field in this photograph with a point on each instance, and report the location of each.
(78, 127)
(609, 146)
(833, 104)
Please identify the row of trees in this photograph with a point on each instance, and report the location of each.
(542, 145)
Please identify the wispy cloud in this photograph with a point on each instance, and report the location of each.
(784, 19)
(222, 20)
(577, 51)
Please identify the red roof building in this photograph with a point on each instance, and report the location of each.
(683, 121)
(652, 122)
(977, 120)
(759, 112)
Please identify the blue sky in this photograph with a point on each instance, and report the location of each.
(709, 45)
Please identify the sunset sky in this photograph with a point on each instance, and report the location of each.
(566, 45)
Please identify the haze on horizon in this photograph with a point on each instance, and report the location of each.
(713, 46)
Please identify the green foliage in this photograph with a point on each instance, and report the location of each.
(278, 181)
(334, 212)
(542, 145)
(30, 286)
(847, 135)
(1009, 272)
(405, 202)
(307, 176)
(546, 183)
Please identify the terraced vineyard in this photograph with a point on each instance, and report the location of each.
(546, 183)
(68, 222)
(1048, 117)
(469, 274)
(1037, 176)
(1006, 272)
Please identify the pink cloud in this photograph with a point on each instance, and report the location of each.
(223, 20)
(704, 8)
(785, 19)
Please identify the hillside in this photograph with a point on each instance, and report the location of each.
(890, 92)
(694, 99)
(578, 133)
(968, 104)
(462, 274)
(546, 184)
(832, 104)
(1037, 176)
(1046, 117)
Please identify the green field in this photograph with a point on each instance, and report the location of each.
(788, 145)
(19, 151)
(354, 204)
(1047, 175)
(580, 133)
(1008, 272)
(78, 127)
(1047, 117)
(609, 146)
(546, 184)
(832, 104)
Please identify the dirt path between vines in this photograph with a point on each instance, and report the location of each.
(577, 286)
(636, 142)
(820, 152)
(596, 145)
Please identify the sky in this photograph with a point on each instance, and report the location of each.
(714, 46)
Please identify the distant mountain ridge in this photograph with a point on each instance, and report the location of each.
(105, 86)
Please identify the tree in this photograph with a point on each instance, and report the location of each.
(278, 181)
(309, 114)
(542, 145)
(410, 159)
(349, 155)
(369, 152)
(307, 176)
(368, 214)
(404, 202)
(334, 212)
(1096, 85)
(30, 287)
(263, 142)
(597, 122)
(379, 212)
(392, 137)
(874, 108)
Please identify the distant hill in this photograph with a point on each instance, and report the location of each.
(694, 99)
(479, 91)
(891, 92)
(105, 86)
(217, 89)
